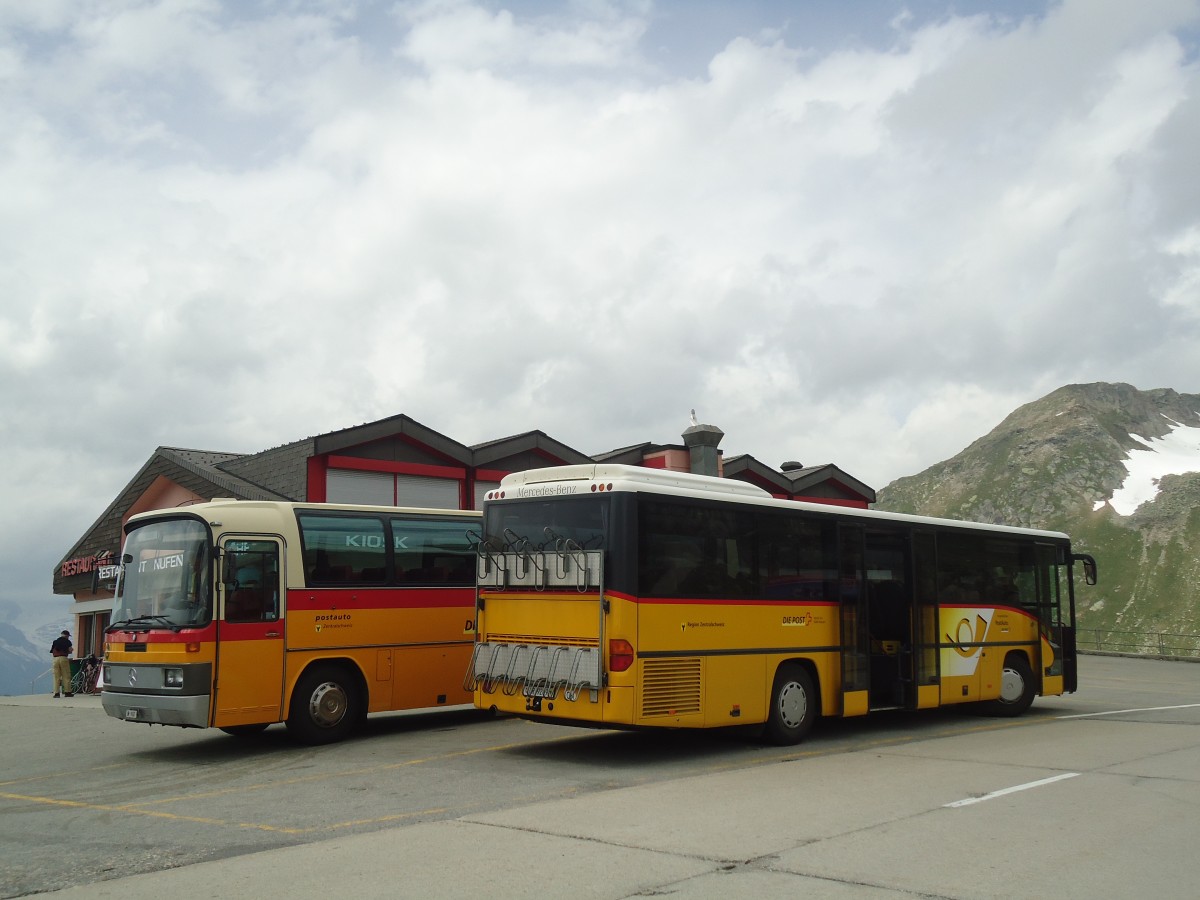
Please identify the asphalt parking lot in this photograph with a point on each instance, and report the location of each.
(1091, 795)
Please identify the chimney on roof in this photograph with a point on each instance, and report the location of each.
(790, 466)
(702, 442)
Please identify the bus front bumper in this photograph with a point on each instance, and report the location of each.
(155, 709)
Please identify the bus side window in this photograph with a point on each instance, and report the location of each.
(431, 551)
(679, 560)
(343, 549)
(253, 595)
(245, 605)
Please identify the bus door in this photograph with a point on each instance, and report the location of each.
(925, 620)
(1067, 617)
(889, 602)
(250, 644)
(856, 647)
(1055, 598)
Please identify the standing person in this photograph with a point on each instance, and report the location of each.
(61, 651)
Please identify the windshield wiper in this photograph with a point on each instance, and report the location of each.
(147, 621)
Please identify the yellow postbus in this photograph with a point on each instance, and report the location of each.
(237, 614)
(617, 596)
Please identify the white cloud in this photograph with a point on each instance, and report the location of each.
(229, 228)
(459, 33)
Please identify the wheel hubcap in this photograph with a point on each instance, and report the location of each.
(1012, 686)
(793, 704)
(328, 705)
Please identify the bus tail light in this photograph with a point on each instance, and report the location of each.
(620, 655)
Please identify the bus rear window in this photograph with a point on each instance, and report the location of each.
(548, 524)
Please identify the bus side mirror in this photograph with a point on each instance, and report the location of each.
(1089, 567)
(228, 569)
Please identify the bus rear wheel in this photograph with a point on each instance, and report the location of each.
(793, 705)
(1017, 689)
(326, 706)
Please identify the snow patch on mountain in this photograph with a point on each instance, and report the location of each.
(1173, 454)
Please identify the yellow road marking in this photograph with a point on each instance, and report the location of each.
(206, 820)
(142, 807)
(346, 773)
(76, 774)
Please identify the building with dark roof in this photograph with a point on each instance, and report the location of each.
(392, 462)
(818, 484)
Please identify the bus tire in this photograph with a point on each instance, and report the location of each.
(326, 706)
(1017, 688)
(246, 730)
(793, 705)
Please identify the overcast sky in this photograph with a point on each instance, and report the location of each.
(858, 233)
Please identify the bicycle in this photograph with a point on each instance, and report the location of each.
(84, 680)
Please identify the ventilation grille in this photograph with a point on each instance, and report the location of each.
(670, 687)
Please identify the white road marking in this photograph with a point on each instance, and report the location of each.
(1011, 790)
(1117, 712)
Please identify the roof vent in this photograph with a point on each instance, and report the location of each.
(790, 466)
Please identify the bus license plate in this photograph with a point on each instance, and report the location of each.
(132, 713)
(544, 691)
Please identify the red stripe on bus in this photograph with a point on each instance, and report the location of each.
(164, 636)
(722, 601)
(380, 598)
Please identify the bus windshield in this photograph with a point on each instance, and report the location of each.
(576, 523)
(166, 577)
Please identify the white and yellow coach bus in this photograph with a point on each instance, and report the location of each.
(237, 614)
(617, 596)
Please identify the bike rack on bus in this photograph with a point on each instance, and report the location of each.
(520, 564)
(568, 552)
(533, 670)
(536, 669)
(537, 687)
(576, 684)
(512, 681)
(490, 563)
(530, 568)
(471, 678)
(489, 680)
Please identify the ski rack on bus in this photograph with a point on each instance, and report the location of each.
(538, 670)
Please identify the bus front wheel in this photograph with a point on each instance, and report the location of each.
(793, 705)
(326, 706)
(1017, 688)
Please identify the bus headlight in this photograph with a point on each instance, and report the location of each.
(173, 678)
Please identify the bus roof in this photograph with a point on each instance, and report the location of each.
(578, 480)
(277, 508)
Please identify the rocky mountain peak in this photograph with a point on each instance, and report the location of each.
(1116, 467)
